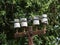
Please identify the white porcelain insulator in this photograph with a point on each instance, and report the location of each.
(16, 25)
(44, 20)
(24, 24)
(36, 22)
(44, 15)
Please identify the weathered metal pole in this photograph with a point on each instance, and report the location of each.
(30, 34)
(30, 40)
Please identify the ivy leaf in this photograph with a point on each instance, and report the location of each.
(3, 12)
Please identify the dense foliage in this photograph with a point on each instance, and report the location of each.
(10, 9)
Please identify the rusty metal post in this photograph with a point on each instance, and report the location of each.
(44, 29)
(30, 34)
(16, 34)
(30, 40)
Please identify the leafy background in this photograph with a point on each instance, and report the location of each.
(10, 9)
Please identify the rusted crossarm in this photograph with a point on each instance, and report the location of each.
(39, 32)
(22, 34)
